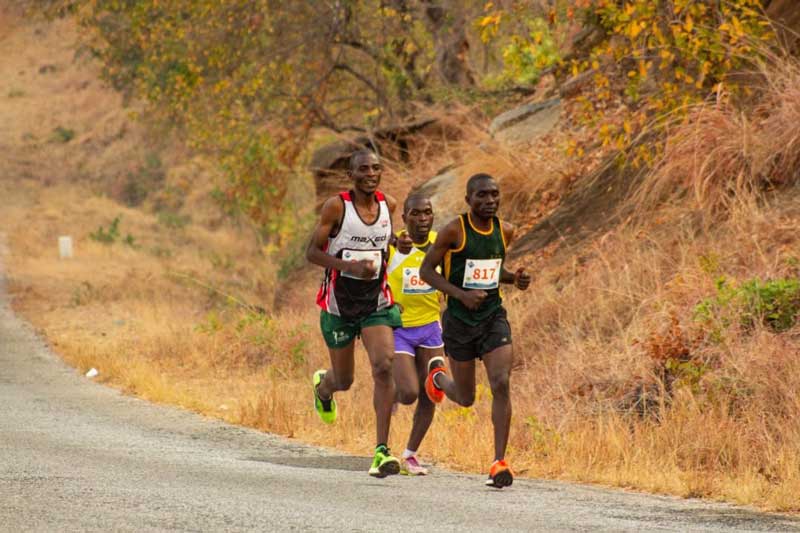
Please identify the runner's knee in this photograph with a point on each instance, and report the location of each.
(466, 400)
(382, 370)
(343, 382)
(407, 393)
(500, 384)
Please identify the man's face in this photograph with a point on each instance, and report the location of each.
(366, 173)
(419, 217)
(484, 200)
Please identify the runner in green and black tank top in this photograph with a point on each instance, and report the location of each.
(476, 264)
(474, 326)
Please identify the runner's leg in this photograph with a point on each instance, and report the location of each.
(379, 342)
(423, 414)
(405, 378)
(340, 376)
(498, 369)
(460, 388)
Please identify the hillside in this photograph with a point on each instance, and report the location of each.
(656, 349)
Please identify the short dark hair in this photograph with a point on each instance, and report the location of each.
(472, 182)
(359, 153)
(414, 196)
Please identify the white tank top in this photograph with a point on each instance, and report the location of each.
(341, 293)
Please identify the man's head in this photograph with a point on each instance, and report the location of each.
(365, 170)
(418, 216)
(483, 195)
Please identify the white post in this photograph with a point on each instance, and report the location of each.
(65, 247)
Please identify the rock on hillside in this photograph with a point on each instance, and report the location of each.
(395, 143)
(525, 124)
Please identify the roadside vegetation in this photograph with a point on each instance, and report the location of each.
(656, 350)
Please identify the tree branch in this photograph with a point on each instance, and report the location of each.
(360, 77)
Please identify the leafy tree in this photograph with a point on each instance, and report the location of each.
(247, 80)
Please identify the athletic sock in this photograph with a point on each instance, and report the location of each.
(326, 402)
(409, 453)
(329, 398)
(382, 447)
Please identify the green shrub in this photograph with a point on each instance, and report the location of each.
(776, 303)
(107, 236)
(773, 303)
(62, 135)
(173, 220)
(112, 234)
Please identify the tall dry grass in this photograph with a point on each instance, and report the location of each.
(593, 373)
(724, 152)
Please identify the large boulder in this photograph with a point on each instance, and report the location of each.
(329, 166)
(526, 123)
(442, 190)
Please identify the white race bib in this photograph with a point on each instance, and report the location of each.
(355, 256)
(413, 284)
(482, 273)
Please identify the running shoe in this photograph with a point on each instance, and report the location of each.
(500, 475)
(383, 464)
(326, 409)
(435, 366)
(411, 467)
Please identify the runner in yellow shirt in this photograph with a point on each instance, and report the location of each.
(420, 338)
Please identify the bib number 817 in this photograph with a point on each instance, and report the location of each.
(483, 273)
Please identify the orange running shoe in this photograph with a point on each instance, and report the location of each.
(500, 475)
(435, 366)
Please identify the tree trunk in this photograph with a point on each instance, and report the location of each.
(448, 26)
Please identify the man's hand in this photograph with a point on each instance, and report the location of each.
(364, 269)
(472, 299)
(521, 279)
(404, 243)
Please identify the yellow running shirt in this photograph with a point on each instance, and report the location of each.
(419, 301)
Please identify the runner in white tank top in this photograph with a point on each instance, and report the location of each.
(344, 294)
(351, 241)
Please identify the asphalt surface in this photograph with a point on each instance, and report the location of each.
(77, 456)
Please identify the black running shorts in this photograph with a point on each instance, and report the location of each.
(463, 342)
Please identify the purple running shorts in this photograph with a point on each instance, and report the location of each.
(407, 340)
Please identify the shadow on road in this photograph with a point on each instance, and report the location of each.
(328, 462)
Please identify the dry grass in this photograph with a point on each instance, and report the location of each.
(721, 155)
(594, 399)
(591, 346)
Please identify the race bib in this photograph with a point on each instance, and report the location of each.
(482, 273)
(413, 284)
(358, 255)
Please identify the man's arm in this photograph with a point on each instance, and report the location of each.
(520, 278)
(332, 211)
(447, 239)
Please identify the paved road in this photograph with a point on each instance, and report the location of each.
(76, 456)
